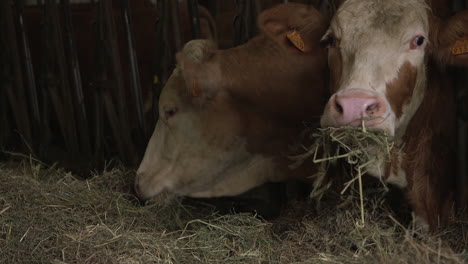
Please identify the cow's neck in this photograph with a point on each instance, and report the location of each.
(270, 79)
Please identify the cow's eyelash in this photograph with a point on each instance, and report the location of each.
(170, 112)
(418, 41)
(329, 40)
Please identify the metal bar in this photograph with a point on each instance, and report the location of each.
(134, 72)
(194, 18)
(255, 11)
(19, 106)
(5, 79)
(76, 78)
(117, 75)
(462, 125)
(175, 22)
(46, 85)
(239, 23)
(4, 125)
(212, 6)
(161, 73)
(327, 7)
(169, 50)
(30, 78)
(99, 123)
(245, 23)
(98, 85)
(113, 119)
(64, 94)
(49, 83)
(462, 166)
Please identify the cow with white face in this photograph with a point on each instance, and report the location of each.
(386, 60)
(229, 117)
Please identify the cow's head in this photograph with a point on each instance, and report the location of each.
(195, 140)
(211, 109)
(378, 50)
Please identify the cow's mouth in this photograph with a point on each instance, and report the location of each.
(360, 146)
(164, 198)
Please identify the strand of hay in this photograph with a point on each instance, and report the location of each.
(358, 147)
(48, 215)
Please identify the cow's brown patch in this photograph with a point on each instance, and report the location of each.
(400, 90)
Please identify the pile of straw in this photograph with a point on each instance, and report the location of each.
(49, 215)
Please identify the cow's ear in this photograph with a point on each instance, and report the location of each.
(449, 39)
(199, 72)
(207, 24)
(296, 27)
(207, 29)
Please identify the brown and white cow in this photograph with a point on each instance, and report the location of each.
(229, 117)
(387, 60)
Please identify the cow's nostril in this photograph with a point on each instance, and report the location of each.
(372, 109)
(338, 107)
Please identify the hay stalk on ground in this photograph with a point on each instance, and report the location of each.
(48, 215)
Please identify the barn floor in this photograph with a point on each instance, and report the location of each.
(48, 215)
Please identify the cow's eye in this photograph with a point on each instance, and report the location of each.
(169, 112)
(417, 42)
(329, 40)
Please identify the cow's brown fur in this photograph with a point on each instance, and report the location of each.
(400, 91)
(251, 87)
(252, 103)
(250, 77)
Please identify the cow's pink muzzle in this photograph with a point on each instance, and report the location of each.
(357, 108)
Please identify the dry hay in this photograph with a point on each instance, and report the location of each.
(358, 148)
(48, 215)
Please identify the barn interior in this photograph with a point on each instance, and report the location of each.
(79, 89)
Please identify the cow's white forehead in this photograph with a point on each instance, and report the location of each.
(374, 37)
(357, 18)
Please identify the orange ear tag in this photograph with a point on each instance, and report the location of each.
(196, 91)
(296, 40)
(460, 47)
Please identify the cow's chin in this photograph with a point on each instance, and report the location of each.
(224, 180)
(163, 198)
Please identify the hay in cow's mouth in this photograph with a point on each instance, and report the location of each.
(358, 147)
